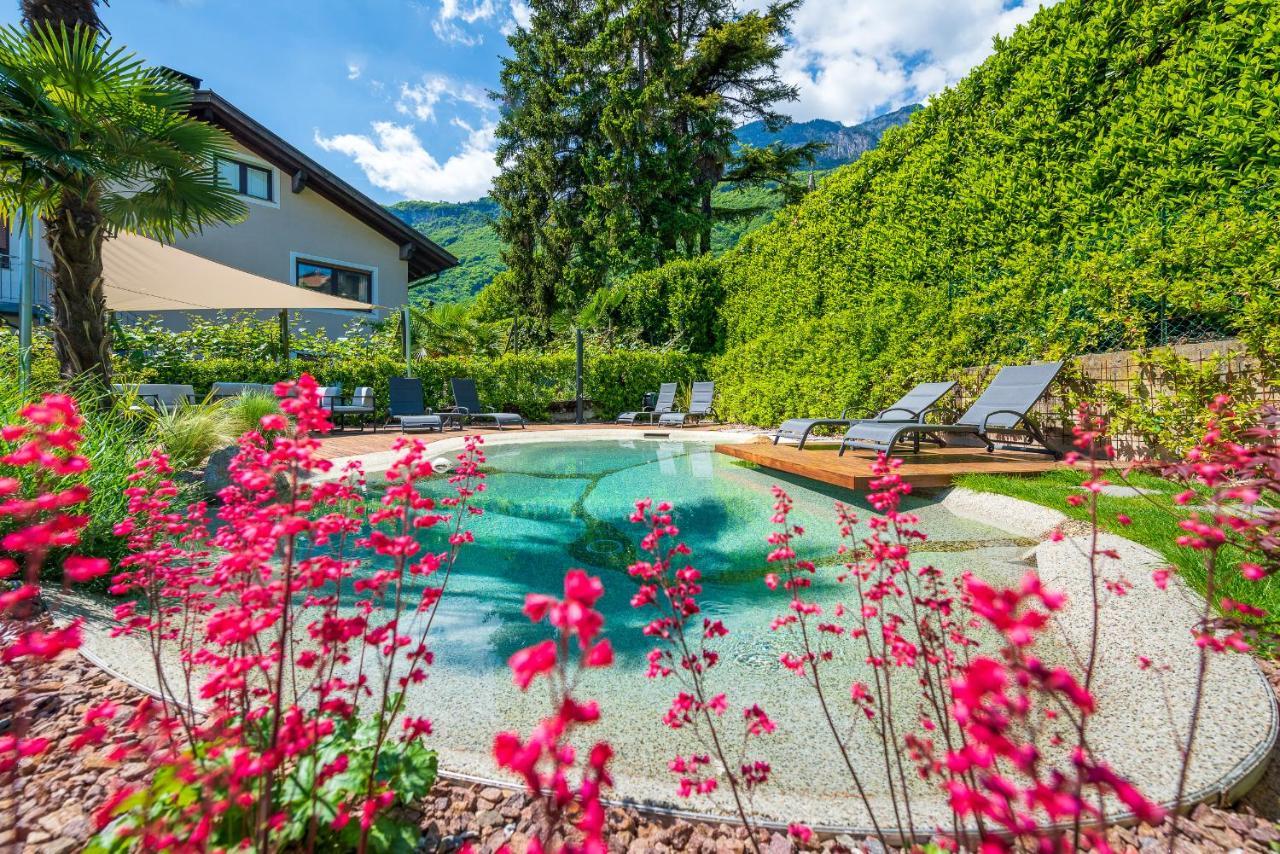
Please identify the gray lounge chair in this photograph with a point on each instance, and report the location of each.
(701, 405)
(665, 403)
(360, 405)
(467, 404)
(1004, 405)
(912, 406)
(406, 405)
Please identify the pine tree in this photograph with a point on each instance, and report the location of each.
(617, 125)
(546, 107)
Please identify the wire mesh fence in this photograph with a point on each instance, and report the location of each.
(1157, 401)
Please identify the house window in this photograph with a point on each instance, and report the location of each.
(246, 179)
(334, 280)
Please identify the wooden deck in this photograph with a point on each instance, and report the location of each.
(933, 468)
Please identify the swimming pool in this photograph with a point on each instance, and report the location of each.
(550, 506)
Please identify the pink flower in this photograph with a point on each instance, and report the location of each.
(531, 662)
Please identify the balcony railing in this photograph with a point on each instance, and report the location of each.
(11, 270)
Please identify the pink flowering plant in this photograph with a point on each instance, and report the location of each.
(685, 652)
(573, 819)
(284, 657)
(984, 723)
(43, 450)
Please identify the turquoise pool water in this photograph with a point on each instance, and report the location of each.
(550, 506)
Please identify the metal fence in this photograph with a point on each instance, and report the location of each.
(1160, 402)
(11, 270)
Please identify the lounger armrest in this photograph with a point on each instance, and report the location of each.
(1022, 416)
(461, 410)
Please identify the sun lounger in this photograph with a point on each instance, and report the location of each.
(1003, 406)
(912, 406)
(467, 403)
(701, 405)
(665, 403)
(424, 423)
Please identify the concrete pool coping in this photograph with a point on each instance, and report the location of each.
(1144, 616)
(379, 461)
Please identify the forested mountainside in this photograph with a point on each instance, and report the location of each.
(844, 143)
(464, 228)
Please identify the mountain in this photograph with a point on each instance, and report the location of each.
(465, 228)
(845, 143)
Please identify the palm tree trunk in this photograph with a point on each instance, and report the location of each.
(74, 231)
(54, 12)
(81, 337)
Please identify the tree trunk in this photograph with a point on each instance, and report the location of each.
(704, 237)
(81, 338)
(54, 12)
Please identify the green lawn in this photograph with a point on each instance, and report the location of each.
(1154, 525)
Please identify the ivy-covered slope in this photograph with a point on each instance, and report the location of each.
(1111, 168)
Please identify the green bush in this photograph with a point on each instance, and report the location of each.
(676, 305)
(115, 437)
(525, 383)
(1111, 166)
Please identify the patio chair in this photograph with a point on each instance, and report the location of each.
(1005, 404)
(330, 396)
(360, 405)
(912, 406)
(701, 405)
(466, 402)
(665, 403)
(162, 397)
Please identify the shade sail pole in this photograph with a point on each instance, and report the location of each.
(284, 335)
(407, 328)
(26, 302)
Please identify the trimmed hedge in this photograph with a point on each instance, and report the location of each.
(528, 384)
(676, 305)
(1109, 173)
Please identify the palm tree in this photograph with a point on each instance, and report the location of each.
(93, 142)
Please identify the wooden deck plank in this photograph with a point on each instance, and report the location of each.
(933, 468)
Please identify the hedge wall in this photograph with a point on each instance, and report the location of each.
(1110, 172)
(528, 384)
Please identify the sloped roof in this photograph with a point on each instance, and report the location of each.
(424, 256)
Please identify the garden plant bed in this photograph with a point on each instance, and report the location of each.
(47, 807)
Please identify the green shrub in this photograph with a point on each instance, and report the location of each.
(1107, 175)
(191, 432)
(245, 412)
(676, 305)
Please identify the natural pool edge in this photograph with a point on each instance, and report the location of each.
(1060, 565)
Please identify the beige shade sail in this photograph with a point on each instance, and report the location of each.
(142, 275)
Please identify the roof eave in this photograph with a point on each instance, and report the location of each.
(424, 257)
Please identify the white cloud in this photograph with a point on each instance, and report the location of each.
(394, 159)
(354, 70)
(420, 99)
(521, 15)
(455, 17)
(854, 58)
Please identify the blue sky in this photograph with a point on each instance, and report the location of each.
(390, 94)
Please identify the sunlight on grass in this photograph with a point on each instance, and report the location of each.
(1154, 524)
